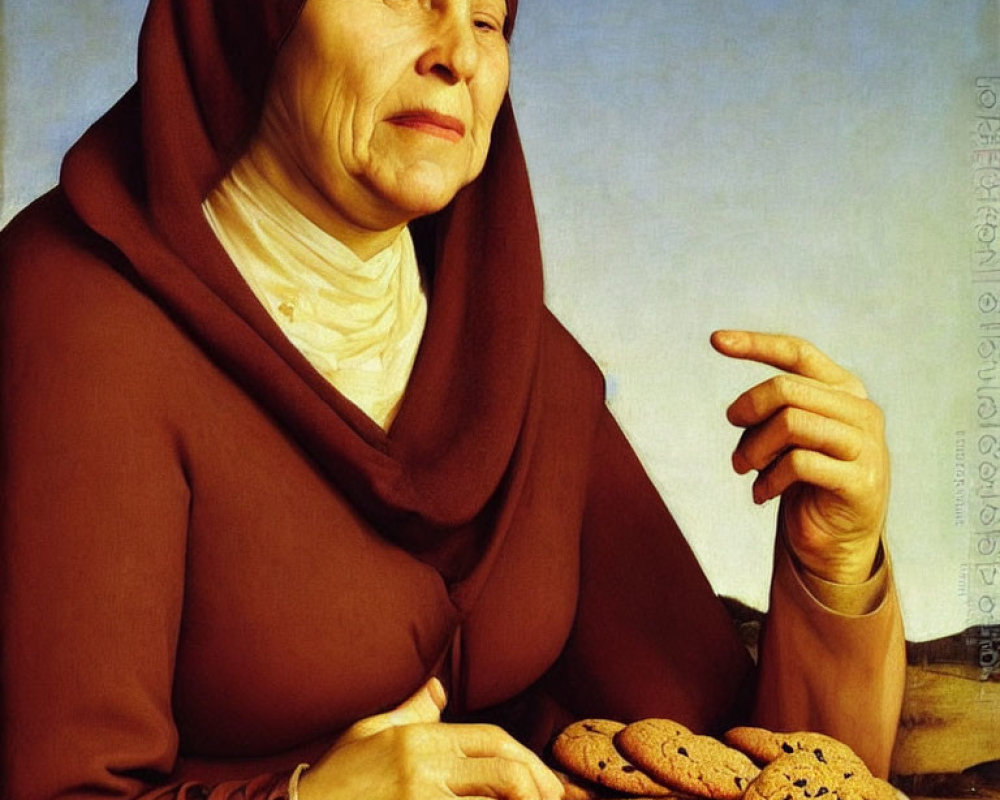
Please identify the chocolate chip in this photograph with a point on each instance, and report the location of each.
(591, 728)
(848, 774)
(683, 752)
(628, 768)
(787, 747)
(822, 791)
(739, 782)
(800, 782)
(787, 797)
(819, 755)
(602, 764)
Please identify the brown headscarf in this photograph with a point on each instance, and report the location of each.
(138, 178)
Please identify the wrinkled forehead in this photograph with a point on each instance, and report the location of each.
(273, 19)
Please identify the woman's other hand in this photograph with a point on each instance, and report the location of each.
(816, 440)
(408, 753)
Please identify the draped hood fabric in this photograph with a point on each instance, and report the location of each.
(138, 178)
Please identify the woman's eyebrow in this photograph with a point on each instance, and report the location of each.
(498, 5)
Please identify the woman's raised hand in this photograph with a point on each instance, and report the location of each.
(815, 439)
(409, 754)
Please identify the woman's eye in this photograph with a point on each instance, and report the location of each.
(487, 23)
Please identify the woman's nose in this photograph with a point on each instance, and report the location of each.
(452, 50)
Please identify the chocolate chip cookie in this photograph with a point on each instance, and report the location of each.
(686, 761)
(764, 746)
(804, 776)
(586, 749)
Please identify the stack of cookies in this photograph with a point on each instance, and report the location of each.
(659, 758)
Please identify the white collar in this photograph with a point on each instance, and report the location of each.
(359, 323)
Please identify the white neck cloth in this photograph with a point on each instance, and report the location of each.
(359, 323)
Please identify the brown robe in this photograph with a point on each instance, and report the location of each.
(212, 562)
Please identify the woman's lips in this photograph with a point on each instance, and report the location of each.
(431, 122)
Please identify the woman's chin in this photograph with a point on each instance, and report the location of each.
(424, 188)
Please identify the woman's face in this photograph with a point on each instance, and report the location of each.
(385, 107)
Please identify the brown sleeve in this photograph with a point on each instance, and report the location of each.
(838, 673)
(93, 524)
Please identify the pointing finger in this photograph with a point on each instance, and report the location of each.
(788, 353)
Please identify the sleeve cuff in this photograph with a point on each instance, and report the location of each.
(852, 600)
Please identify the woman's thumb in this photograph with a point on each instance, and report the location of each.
(423, 706)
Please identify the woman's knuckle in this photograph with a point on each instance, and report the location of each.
(798, 460)
(495, 730)
(517, 779)
(508, 748)
(359, 730)
(786, 387)
(854, 448)
(871, 479)
(870, 417)
(755, 403)
(877, 417)
(496, 737)
(789, 422)
(407, 742)
(805, 352)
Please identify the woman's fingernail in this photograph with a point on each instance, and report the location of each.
(726, 339)
(436, 690)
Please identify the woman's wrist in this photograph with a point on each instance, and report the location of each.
(848, 598)
(848, 563)
(851, 567)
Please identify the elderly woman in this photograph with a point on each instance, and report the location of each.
(297, 468)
